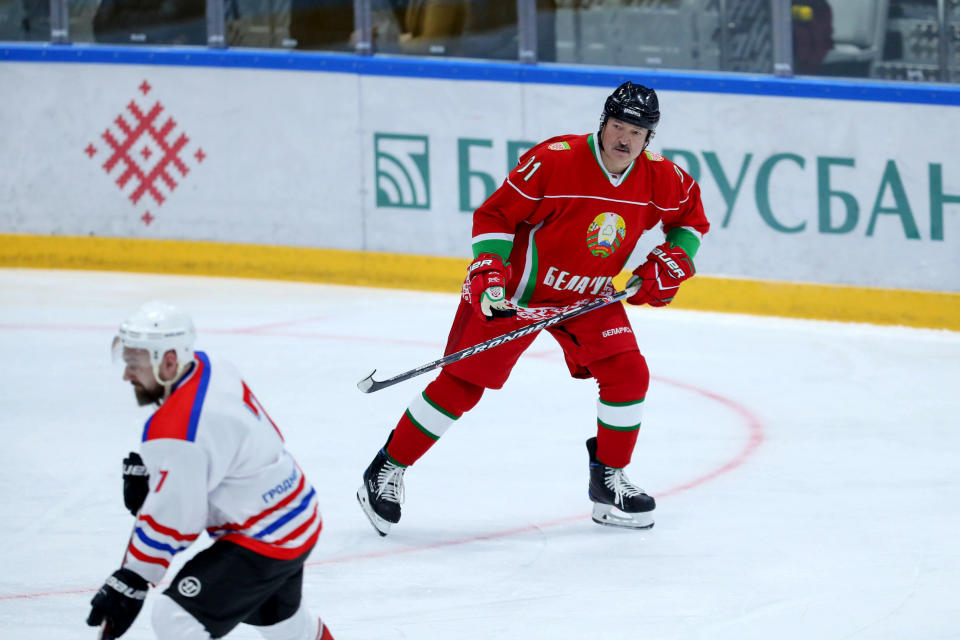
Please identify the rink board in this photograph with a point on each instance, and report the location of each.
(434, 273)
(854, 187)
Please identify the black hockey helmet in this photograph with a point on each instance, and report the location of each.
(632, 103)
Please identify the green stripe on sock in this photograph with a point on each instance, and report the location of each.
(391, 459)
(438, 407)
(613, 428)
(621, 404)
(421, 427)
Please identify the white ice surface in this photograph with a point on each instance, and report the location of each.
(807, 473)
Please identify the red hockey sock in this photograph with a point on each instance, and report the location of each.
(615, 448)
(430, 415)
(623, 380)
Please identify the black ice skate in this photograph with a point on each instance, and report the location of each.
(382, 491)
(617, 502)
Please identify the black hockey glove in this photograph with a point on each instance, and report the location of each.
(136, 482)
(118, 602)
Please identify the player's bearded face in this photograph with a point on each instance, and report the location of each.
(139, 373)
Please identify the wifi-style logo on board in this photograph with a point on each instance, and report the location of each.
(402, 165)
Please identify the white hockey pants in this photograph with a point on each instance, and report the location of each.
(172, 622)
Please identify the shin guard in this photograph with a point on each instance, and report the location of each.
(623, 380)
(430, 415)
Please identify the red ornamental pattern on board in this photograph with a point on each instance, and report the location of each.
(145, 153)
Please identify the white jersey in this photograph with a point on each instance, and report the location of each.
(217, 462)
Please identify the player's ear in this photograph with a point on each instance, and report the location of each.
(168, 366)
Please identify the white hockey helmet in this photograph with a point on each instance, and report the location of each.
(157, 327)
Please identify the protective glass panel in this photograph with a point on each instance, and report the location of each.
(81, 14)
(457, 28)
(912, 50)
(905, 43)
(880, 39)
(178, 22)
(24, 20)
(728, 35)
(953, 40)
(292, 24)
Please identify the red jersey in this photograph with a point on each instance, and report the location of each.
(567, 225)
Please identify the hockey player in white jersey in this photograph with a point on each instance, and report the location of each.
(212, 460)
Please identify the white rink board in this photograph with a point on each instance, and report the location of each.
(276, 170)
(291, 158)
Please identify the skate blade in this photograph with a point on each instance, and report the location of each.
(609, 515)
(382, 526)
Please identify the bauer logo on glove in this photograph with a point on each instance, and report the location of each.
(117, 603)
(675, 269)
(479, 264)
(136, 482)
(658, 279)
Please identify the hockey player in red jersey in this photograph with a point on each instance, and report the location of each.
(555, 233)
(210, 459)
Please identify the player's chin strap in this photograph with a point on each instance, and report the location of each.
(168, 384)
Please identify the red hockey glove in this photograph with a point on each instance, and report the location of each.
(660, 276)
(488, 281)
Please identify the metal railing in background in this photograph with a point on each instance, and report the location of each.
(59, 22)
(216, 24)
(527, 31)
(781, 18)
(906, 40)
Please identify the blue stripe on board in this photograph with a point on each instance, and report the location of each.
(450, 69)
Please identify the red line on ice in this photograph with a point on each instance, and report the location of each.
(755, 438)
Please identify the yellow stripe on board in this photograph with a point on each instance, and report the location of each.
(333, 266)
(429, 273)
(823, 302)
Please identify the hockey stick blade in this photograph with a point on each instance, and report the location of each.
(369, 385)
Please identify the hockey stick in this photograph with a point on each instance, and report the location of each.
(105, 632)
(369, 385)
